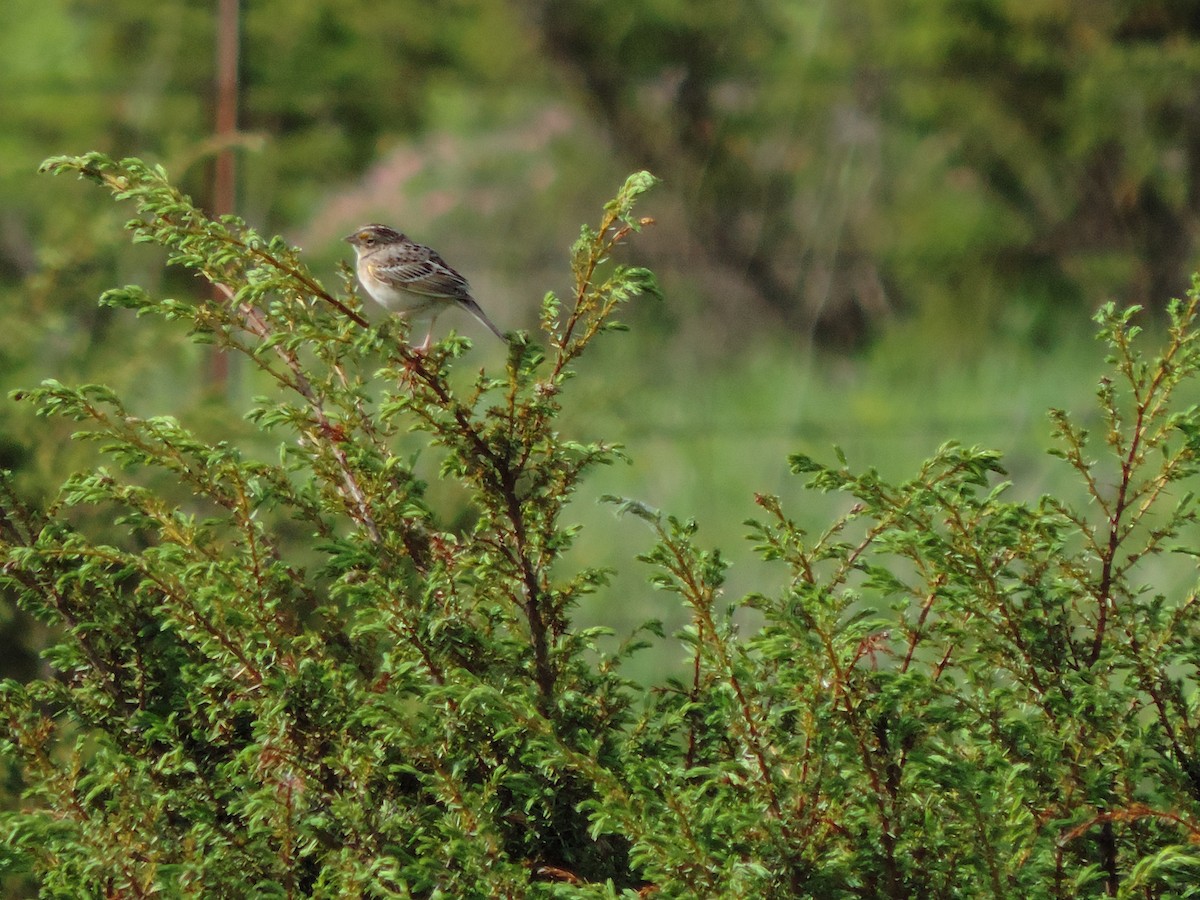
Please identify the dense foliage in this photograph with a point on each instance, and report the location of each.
(293, 676)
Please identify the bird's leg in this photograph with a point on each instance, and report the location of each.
(424, 347)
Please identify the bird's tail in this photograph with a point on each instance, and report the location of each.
(477, 311)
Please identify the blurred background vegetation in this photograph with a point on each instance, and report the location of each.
(883, 224)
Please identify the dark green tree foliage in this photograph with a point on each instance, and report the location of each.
(954, 694)
(957, 159)
(1039, 154)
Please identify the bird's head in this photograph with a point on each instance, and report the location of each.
(370, 236)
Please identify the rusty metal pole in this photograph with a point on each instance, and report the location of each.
(224, 197)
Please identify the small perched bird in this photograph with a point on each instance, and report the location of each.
(411, 279)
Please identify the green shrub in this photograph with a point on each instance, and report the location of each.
(296, 677)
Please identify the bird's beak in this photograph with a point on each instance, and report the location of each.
(350, 238)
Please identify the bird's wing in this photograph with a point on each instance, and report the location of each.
(424, 272)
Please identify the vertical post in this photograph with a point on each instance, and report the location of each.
(224, 198)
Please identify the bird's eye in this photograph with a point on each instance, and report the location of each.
(367, 238)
